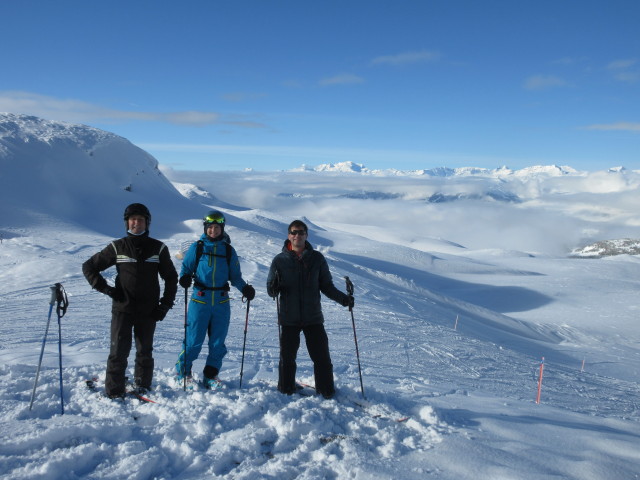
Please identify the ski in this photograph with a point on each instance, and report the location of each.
(132, 391)
(301, 387)
(140, 397)
(92, 384)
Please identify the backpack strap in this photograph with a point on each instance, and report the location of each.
(199, 252)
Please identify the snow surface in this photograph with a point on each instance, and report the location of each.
(456, 304)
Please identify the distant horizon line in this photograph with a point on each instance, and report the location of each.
(343, 167)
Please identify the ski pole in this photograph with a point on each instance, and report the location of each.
(57, 294)
(62, 304)
(355, 337)
(277, 299)
(244, 344)
(44, 340)
(184, 344)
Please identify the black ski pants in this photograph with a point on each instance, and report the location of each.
(318, 348)
(122, 327)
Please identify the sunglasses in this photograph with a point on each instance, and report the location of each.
(297, 232)
(216, 218)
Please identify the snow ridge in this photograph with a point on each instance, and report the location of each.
(85, 174)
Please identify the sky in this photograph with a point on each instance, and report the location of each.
(212, 85)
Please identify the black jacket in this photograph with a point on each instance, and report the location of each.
(300, 282)
(138, 261)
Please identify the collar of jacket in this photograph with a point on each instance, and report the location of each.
(210, 241)
(288, 248)
(138, 239)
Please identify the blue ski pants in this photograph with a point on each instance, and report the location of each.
(206, 318)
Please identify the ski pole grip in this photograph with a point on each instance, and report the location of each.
(349, 286)
(61, 299)
(54, 293)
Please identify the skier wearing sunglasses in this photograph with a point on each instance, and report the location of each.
(297, 277)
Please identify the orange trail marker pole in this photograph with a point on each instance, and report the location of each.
(540, 380)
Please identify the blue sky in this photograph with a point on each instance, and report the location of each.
(270, 85)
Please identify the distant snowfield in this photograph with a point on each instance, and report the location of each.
(456, 304)
(468, 391)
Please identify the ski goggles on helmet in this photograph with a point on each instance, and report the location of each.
(214, 217)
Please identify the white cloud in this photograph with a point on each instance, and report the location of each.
(623, 126)
(629, 77)
(237, 97)
(186, 118)
(542, 82)
(342, 79)
(407, 58)
(551, 217)
(622, 64)
(623, 70)
(77, 111)
(570, 60)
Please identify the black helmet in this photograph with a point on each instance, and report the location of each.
(213, 216)
(137, 209)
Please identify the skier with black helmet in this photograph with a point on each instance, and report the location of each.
(210, 264)
(137, 304)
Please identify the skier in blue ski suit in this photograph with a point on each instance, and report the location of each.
(209, 309)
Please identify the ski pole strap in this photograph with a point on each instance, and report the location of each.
(349, 286)
(59, 295)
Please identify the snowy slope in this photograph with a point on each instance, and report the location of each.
(78, 174)
(451, 331)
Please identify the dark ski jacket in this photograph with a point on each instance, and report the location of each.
(138, 261)
(300, 282)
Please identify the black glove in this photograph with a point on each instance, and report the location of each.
(273, 289)
(114, 293)
(249, 292)
(185, 281)
(348, 301)
(159, 312)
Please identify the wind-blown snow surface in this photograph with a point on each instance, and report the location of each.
(451, 330)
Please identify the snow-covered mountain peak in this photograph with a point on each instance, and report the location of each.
(29, 128)
(445, 172)
(344, 167)
(78, 174)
